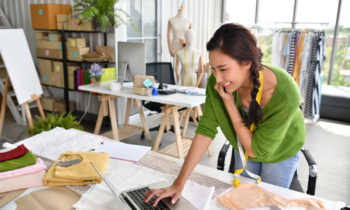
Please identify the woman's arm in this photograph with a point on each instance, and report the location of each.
(243, 133)
(199, 145)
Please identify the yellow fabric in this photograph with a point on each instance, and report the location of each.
(284, 44)
(79, 174)
(237, 182)
(248, 196)
(297, 59)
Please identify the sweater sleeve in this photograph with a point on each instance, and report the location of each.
(273, 130)
(208, 123)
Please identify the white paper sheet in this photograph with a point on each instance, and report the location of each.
(123, 151)
(133, 176)
(53, 143)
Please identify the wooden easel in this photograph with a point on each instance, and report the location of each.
(26, 106)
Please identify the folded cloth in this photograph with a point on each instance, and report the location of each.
(15, 153)
(79, 174)
(22, 182)
(56, 198)
(38, 166)
(248, 196)
(26, 160)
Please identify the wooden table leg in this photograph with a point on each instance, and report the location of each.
(199, 111)
(160, 132)
(182, 116)
(178, 134)
(210, 151)
(113, 117)
(187, 119)
(99, 119)
(193, 114)
(143, 120)
(127, 114)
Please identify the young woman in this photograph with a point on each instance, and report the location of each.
(243, 91)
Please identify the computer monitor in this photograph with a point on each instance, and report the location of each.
(134, 54)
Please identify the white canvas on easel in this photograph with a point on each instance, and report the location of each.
(21, 72)
(19, 64)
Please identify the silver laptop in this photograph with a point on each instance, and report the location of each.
(134, 198)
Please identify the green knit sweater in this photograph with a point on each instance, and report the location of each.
(281, 133)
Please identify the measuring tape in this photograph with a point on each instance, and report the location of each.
(244, 156)
(186, 67)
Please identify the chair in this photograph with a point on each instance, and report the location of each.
(163, 73)
(295, 185)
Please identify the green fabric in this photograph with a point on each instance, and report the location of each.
(26, 160)
(281, 133)
(86, 79)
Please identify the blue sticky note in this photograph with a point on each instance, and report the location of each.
(52, 37)
(40, 12)
(75, 54)
(45, 78)
(60, 46)
(148, 83)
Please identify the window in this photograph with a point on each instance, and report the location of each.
(242, 12)
(271, 11)
(341, 68)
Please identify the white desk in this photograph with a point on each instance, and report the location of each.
(173, 102)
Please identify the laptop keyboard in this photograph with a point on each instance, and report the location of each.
(138, 197)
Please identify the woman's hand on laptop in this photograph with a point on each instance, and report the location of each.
(173, 191)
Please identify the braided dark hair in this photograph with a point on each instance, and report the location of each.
(237, 42)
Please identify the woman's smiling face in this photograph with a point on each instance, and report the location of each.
(228, 71)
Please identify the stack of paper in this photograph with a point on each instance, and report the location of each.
(123, 151)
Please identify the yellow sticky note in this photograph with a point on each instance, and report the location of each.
(72, 43)
(58, 68)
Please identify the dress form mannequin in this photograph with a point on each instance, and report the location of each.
(191, 61)
(178, 25)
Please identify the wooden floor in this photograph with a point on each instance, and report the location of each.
(328, 141)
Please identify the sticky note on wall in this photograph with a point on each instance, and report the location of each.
(72, 43)
(58, 68)
(45, 78)
(47, 52)
(53, 79)
(60, 46)
(40, 11)
(75, 54)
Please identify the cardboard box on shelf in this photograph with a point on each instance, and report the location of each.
(62, 26)
(46, 65)
(71, 82)
(73, 24)
(58, 67)
(48, 103)
(71, 69)
(49, 45)
(55, 37)
(139, 79)
(59, 80)
(76, 42)
(75, 53)
(42, 36)
(60, 105)
(63, 18)
(43, 16)
(87, 26)
(44, 77)
(49, 53)
(52, 79)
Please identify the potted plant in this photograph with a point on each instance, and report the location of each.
(96, 72)
(54, 120)
(101, 12)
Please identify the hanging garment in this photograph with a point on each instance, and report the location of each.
(249, 196)
(26, 160)
(311, 80)
(38, 166)
(317, 87)
(22, 182)
(305, 55)
(79, 174)
(286, 51)
(275, 46)
(291, 53)
(15, 153)
(298, 58)
(56, 198)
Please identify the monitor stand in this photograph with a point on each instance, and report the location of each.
(124, 71)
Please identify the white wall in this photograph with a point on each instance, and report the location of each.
(204, 14)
